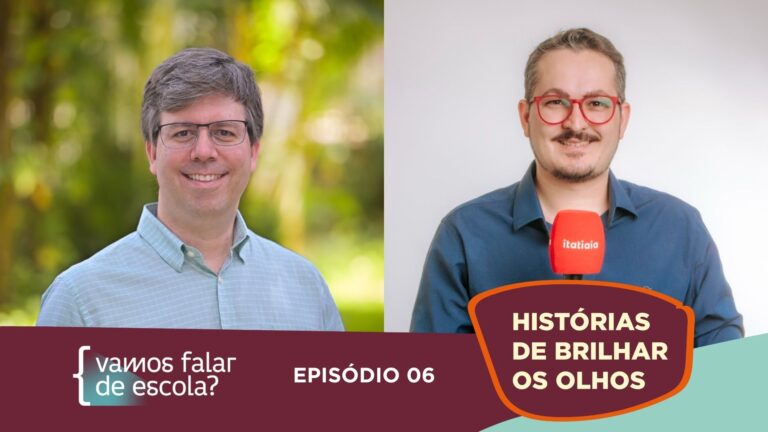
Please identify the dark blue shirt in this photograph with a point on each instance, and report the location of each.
(653, 239)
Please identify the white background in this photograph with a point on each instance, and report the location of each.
(697, 79)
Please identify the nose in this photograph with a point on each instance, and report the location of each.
(204, 148)
(576, 120)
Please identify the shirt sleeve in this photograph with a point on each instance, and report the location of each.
(59, 306)
(441, 303)
(331, 317)
(717, 319)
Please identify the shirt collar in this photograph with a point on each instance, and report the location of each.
(619, 199)
(171, 249)
(527, 209)
(240, 238)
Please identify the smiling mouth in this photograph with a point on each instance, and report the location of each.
(574, 143)
(205, 178)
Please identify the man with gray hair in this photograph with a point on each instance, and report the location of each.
(657, 241)
(192, 262)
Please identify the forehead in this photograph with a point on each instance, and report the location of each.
(206, 109)
(575, 72)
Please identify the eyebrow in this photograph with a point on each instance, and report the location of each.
(561, 92)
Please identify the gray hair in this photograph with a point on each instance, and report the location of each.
(193, 73)
(576, 39)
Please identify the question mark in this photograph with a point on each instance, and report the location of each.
(215, 378)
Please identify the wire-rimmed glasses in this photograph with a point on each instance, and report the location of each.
(225, 133)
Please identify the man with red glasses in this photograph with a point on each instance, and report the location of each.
(192, 261)
(574, 114)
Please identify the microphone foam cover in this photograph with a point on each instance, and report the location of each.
(577, 243)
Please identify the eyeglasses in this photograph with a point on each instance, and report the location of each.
(597, 110)
(225, 133)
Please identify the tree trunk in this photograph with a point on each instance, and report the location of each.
(7, 197)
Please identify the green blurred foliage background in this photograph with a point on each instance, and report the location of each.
(73, 173)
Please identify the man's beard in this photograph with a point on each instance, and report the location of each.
(574, 176)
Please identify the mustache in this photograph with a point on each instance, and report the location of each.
(581, 136)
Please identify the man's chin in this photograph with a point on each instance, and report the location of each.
(575, 176)
(204, 208)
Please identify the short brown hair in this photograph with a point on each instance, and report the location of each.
(193, 73)
(576, 39)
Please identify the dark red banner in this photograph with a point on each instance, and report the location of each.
(232, 380)
(136, 379)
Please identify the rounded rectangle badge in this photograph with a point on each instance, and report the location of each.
(576, 350)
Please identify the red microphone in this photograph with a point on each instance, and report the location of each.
(577, 243)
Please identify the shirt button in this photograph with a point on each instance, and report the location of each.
(221, 279)
(190, 254)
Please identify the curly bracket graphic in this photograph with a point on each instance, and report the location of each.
(79, 375)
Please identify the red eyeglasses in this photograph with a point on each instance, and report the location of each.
(555, 109)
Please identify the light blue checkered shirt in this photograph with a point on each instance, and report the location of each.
(150, 278)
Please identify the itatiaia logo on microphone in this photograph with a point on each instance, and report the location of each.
(580, 244)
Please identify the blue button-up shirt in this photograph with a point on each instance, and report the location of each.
(653, 240)
(150, 278)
